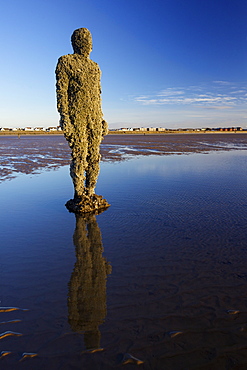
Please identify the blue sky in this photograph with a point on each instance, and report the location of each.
(167, 63)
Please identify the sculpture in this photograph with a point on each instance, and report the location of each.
(81, 119)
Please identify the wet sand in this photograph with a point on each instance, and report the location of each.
(30, 154)
(122, 146)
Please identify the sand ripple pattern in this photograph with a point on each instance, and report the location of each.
(8, 339)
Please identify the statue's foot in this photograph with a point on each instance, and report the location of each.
(87, 204)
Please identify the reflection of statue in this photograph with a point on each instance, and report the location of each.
(81, 118)
(87, 286)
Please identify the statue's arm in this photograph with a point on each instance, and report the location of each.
(104, 128)
(104, 123)
(62, 85)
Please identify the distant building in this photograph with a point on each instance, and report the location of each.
(39, 129)
(56, 128)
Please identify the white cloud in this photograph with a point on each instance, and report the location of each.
(218, 93)
(170, 92)
(222, 82)
(239, 92)
(219, 107)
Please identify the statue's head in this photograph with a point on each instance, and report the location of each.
(81, 40)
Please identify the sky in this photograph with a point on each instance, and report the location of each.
(166, 63)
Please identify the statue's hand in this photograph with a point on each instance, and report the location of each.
(66, 126)
(104, 128)
(64, 121)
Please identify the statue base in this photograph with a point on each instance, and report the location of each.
(93, 204)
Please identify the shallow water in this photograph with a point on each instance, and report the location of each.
(161, 275)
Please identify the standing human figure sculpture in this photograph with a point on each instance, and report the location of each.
(81, 119)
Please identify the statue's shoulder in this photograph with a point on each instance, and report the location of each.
(66, 59)
(66, 64)
(94, 65)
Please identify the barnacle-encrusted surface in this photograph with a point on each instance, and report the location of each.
(79, 104)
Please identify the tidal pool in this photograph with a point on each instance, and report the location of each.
(160, 276)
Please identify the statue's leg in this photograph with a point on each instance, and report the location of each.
(77, 171)
(93, 166)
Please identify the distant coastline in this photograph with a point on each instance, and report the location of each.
(22, 133)
(127, 132)
(175, 132)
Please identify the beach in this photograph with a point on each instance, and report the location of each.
(158, 281)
